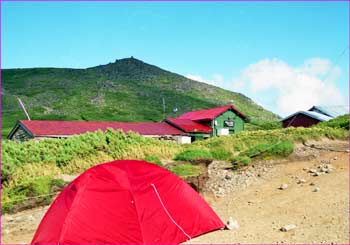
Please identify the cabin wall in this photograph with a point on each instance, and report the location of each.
(238, 123)
(20, 135)
(300, 120)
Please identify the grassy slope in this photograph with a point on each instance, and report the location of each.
(127, 90)
(31, 168)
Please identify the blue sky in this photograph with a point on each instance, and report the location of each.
(284, 55)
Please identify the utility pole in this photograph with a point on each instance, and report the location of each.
(163, 108)
(23, 108)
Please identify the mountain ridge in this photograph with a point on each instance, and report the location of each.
(125, 90)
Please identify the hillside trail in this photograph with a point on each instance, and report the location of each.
(261, 208)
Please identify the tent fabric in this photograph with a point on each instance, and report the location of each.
(126, 202)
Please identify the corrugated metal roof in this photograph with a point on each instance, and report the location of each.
(313, 114)
(188, 125)
(331, 111)
(66, 128)
(210, 114)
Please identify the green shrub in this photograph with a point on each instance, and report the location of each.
(240, 161)
(283, 149)
(190, 155)
(261, 125)
(256, 150)
(338, 122)
(220, 154)
(153, 159)
(30, 192)
(280, 149)
(186, 170)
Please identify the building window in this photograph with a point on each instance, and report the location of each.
(229, 123)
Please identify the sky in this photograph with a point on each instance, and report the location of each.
(286, 56)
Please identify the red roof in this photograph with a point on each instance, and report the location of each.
(210, 114)
(65, 128)
(188, 125)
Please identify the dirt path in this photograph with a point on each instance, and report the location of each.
(260, 209)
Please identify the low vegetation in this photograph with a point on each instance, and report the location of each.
(262, 125)
(33, 168)
(338, 122)
(153, 159)
(192, 155)
(240, 161)
(186, 170)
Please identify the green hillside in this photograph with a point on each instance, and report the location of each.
(126, 90)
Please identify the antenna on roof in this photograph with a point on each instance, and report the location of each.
(163, 108)
(23, 108)
(175, 109)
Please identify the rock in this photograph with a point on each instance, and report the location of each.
(316, 174)
(300, 181)
(67, 178)
(30, 218)
(335, 158)
(312, 183)
(283, 187)
(317, 189)
(228, 177)
(323, 170)
(312, 171)
(289, 227)
(232, 224)
(221, 191)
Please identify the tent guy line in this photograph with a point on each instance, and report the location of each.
(166, 211)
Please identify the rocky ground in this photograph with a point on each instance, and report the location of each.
(307, 194)
(310, 197)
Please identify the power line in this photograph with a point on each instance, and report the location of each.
(336, 63)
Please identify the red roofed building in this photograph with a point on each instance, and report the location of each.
(198, 124)
(201, 124)
(26, 129)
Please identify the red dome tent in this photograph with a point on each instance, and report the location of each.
(126, 202)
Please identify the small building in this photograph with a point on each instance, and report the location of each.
(313, 116)
(29, 129)
(202, 124)
(190, 126)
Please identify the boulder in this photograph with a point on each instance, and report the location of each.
(283, 187)
(288, 227)
(301, 181)
(232, 224)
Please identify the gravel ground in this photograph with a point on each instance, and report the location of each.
(316, 205)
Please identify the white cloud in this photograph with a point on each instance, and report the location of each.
(196, 78)
(295, 88)
(216, 79)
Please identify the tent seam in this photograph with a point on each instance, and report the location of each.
(137, 213)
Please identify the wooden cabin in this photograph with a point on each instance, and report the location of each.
(190, 126)
(313, 116)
